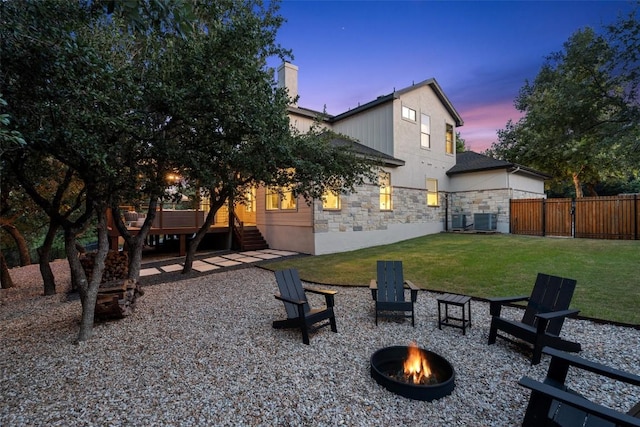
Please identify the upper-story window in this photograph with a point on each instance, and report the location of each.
(425, 131)
(449, 144)
(432, 192)
(331, 201)
(408, 113)
(385, 191)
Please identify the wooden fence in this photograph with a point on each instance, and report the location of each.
(611, 217)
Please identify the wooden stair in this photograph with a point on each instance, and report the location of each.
(252, 239)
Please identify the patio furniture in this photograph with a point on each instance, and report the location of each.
(464, 302)
(543, 318)
(299, 313)
(552, 403)
(388, 292)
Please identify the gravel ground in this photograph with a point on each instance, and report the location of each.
(202, 351)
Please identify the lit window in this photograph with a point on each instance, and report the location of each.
(282, 199)
(288, 200)
(425, 131)
(385, 191)
(432, 192)
(273, 199)
(250, 202)
(449, 139)
(408, 113)
(330, 201)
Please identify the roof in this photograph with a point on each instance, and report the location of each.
(382, 100)
(366, 151)
(396, 95)
(306, 112)
(470, 161)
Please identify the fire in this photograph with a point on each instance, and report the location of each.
(416, 367)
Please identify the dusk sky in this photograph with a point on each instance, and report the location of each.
(480, 52)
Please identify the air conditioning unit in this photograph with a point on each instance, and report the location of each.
(458, 221)
(485, 221)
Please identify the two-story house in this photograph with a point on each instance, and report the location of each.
(414, 130)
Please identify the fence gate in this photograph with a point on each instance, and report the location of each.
(614, 217)
(526, 217)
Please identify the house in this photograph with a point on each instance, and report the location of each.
(422, 185)
(480, 186)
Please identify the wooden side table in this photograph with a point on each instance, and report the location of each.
(464, 302)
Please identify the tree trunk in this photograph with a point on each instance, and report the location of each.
(195, 242)
(135, 243)
(88, 287)
(5, 278)
(577, 185)
(21, 243)
(44, 258)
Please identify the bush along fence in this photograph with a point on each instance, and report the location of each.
(609, 217)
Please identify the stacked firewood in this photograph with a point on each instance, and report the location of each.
(117, 295)
(117, 299)
(116, 265)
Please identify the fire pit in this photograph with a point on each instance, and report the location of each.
(413, 372)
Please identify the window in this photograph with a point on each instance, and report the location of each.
(250, 203)
(425, 131)
(432, 192)
(273, 199)
(288, 200)
(280, 199)
(385, 191)
(408, 113)
(449, 139)
(331, 201)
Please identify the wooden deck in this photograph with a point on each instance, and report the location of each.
(157, 236)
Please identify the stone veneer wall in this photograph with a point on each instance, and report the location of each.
(488, 201)
(360, 211)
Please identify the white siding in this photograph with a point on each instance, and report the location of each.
(421, 163)
(302, 123)
(373, 128)
(496, 179)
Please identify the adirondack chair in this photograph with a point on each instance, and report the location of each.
(542, 321)
(388, 292)
(299, 313)
(552, 403)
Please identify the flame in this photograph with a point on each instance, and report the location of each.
(416, 367)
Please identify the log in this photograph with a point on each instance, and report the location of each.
(116, 299)
(116, 265)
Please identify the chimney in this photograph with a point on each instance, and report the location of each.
(288, 78)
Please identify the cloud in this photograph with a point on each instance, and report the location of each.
(481, 123)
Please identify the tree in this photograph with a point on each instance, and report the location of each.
(68, 91)
(461, 143)
(111, 104)
(579, 122)
(10, 140)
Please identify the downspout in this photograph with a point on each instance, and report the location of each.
(446, 212)
(510, 194)
(508, 181)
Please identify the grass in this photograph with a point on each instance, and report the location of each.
(497, 265)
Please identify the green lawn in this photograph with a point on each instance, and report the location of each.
(483, 265)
